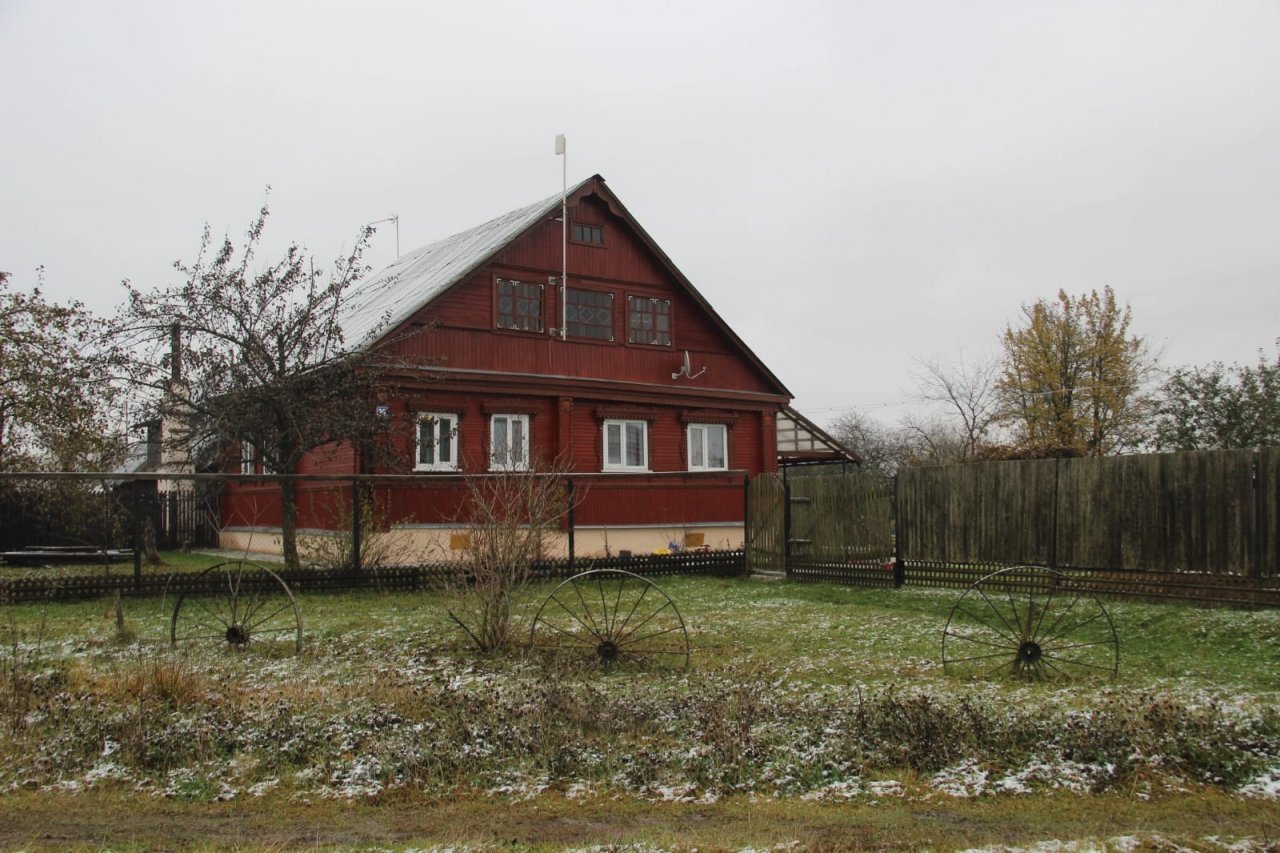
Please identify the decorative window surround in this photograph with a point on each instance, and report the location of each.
(626, 445)
(589, 314)
(508, 442)
(518, 305)
(437, 442)
(648, 321)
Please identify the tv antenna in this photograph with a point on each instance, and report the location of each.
(395, 217)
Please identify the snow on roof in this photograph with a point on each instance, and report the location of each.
(388, 298)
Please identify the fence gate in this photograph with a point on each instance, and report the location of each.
(840, 528)
(766, 524)
(822, 526)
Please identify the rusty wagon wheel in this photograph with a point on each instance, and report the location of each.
(238, 603)
(1029, 623)
(613, 618)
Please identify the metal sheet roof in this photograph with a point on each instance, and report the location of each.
(388, 298)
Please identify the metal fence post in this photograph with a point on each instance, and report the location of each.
(136, 511)
(571, 520)
(895, 516)
(357, 511)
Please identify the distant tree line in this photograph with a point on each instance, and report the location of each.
(1072, 379)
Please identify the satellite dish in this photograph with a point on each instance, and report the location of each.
(686, 369)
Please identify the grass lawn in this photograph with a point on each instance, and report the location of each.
(173, 561)
(812, 716)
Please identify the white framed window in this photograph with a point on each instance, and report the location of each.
(248, 457)
(626, 445)
(509, 442)
(437, 442)
(708, 447)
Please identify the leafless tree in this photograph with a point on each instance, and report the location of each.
(967, 391)
(881, 447)
(510, 520)
(931, 439)
(264, 365)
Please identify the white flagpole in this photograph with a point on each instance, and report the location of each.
(564, 228)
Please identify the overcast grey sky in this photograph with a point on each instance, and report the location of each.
(851, 184)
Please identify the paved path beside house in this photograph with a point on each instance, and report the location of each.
(240, 555)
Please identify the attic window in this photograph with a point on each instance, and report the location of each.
(589, 314)
(648, 321)
(519, 306)
(583, 233)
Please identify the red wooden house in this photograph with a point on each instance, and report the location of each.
(620, 370)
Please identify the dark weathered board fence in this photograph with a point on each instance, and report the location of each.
(101, 513)
(828, 526)
(1207, 512)
(384, 578)
(1192, 526)
(766, 525)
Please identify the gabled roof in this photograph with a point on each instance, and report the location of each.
(388, 298)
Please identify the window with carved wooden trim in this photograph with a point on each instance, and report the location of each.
(589, 314)
(626, 445)
(519, 305)
(437, 442)
(509, 442)
(648, 321)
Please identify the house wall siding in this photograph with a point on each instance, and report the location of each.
(458, 330)
(568, 388)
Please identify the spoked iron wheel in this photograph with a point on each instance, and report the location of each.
(238, 604)
(613, 618)
(1029, 623)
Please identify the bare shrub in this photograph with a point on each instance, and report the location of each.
(23, 678)
(333, 550)
(510, 520)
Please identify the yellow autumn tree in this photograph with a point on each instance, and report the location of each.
(1072, 381)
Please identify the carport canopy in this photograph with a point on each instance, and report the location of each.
(802, 442)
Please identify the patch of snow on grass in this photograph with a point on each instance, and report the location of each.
(521, 789)
(262, 787)
(1265, 786)
(1062, 775)
(965, 779)
(886, 788)
(843, 790)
